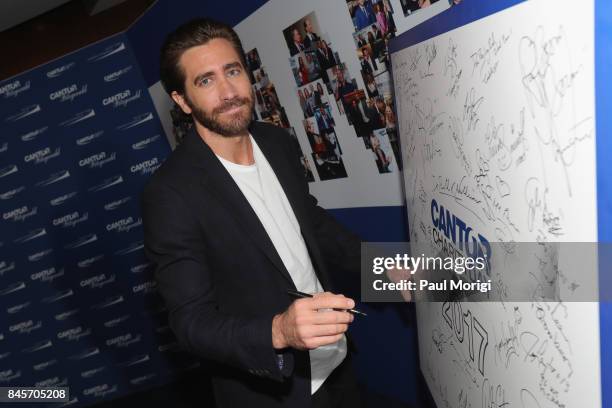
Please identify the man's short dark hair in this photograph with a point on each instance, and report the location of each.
(191, 34)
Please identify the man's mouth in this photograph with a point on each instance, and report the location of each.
(231, 107)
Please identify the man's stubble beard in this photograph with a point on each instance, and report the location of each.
(236, 126)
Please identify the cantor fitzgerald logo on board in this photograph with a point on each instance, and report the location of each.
(13, 287)
(58, 296)
(145, 142)
(37, 256)
(79, 117)
(14, 88)
(70, 220)
(87, 262)
(8, 170)
(23, 113)
(18, 308)
(33, 134)
(68, 93)
(7, 195)
(146, 167)
(42, 156)
(133, 247)
(113, 300)
(55, 72)
(85, 140)
(124, 224)
(41, 345)
(107, 183)
(113, 76)
(82, 241)
(98, 160)
(36, 233)
(117, 203)
(62, 199)
(20, 214)
(54, 178)
(121, 99)
(454, 236)
(136, 120)
(107, 52)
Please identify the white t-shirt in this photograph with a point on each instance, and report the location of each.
(264, 193)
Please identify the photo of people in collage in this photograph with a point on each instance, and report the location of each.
(267, 105)
(412, 6)
(311, 59)
(373, 114)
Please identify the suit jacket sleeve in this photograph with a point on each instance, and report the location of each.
(174, 243)
(341, 247)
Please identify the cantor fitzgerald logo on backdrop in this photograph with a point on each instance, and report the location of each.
(455, 237)
(107, 52)
(14, 88)
(33, 134)
(23, 113)
(55, 72)
(68, 93)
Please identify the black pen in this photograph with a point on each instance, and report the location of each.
(308, 295)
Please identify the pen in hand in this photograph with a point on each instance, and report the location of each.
(308, 295)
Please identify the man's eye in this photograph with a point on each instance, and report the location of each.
(204, 82)
(233, 72)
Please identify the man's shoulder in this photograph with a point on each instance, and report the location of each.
(173, 172)
(274, 135)
(269, 130)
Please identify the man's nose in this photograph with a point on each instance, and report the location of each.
(227, 89)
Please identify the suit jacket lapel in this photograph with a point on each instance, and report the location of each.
(217, 180)
(286, 177)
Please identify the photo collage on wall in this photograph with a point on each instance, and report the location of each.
(267, 105)
(312, 61)
(322, 78)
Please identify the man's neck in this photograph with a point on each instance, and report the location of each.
(237, 149)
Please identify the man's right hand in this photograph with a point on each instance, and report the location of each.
(304, 327)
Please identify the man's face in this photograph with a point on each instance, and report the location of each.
(340, 76)
(297, 36)
(218, 92)
(308, 25)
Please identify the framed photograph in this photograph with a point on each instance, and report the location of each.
(305, 67)
(303, 34)
(312, 96)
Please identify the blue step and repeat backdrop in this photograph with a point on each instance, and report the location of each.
(78, 305)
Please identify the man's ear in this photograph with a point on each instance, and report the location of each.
(180, 101)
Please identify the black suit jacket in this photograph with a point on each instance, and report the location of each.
(293, 49)
(220, 275)
(326, 61)
(308, 43)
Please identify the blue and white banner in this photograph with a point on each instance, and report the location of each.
(80, 137)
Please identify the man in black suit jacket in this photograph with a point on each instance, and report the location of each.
(218, 270)
(326, 59)
(311, 37)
